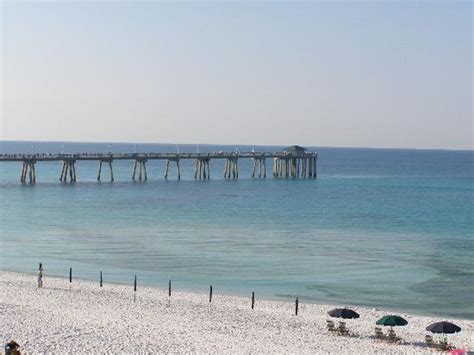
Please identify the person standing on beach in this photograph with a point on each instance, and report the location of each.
(40, 276)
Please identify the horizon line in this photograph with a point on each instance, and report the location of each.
(233, 145)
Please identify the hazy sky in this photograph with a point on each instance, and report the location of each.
(370, 74)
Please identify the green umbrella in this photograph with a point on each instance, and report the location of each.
(392, 321)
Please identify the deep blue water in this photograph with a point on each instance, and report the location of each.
(379, 227)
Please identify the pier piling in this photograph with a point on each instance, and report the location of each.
(68, 169)
(178, 170)
(28, 170)
(134, 169)
(111, 171)
(100, 170)
(167, 166)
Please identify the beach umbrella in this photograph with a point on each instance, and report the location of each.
(345, 313)
(392, 321)
(443, 328)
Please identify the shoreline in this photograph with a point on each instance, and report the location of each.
(283, 299)
(83, 317)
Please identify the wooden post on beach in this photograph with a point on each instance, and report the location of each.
(210, 293)
(135, 284)
(101, 279)
(169, 288)
(253, 300)
(70, 274)
(40, 275)
(296, 306)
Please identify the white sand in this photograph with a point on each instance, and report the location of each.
(87, 318)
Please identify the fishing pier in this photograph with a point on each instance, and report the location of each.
(293, 162)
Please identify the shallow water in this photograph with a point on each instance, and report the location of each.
(381, 228)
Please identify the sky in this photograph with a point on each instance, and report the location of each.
(394, 74)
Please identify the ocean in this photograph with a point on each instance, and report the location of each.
(384, 228)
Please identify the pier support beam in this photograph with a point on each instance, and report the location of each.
(312, 167)
(69, 168)
(231, 168)
(178, 170)
(196, 168)
(259, 163)
(28, 170)
(111, 171)
(254, 165)
(208, 167)
(134, 169)
(202, 169)
(277, 167)
(99, 171)
(142, 174)
(167, 167)
(302, 166)
(315, 171)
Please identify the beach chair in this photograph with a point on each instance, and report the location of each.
(392, 337)
(442, 345)
(429, 341)
(379, 333)
(342, 328)
(330, 326)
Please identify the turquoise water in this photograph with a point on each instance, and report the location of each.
(379, 228)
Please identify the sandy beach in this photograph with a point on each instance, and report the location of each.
(86, 318)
